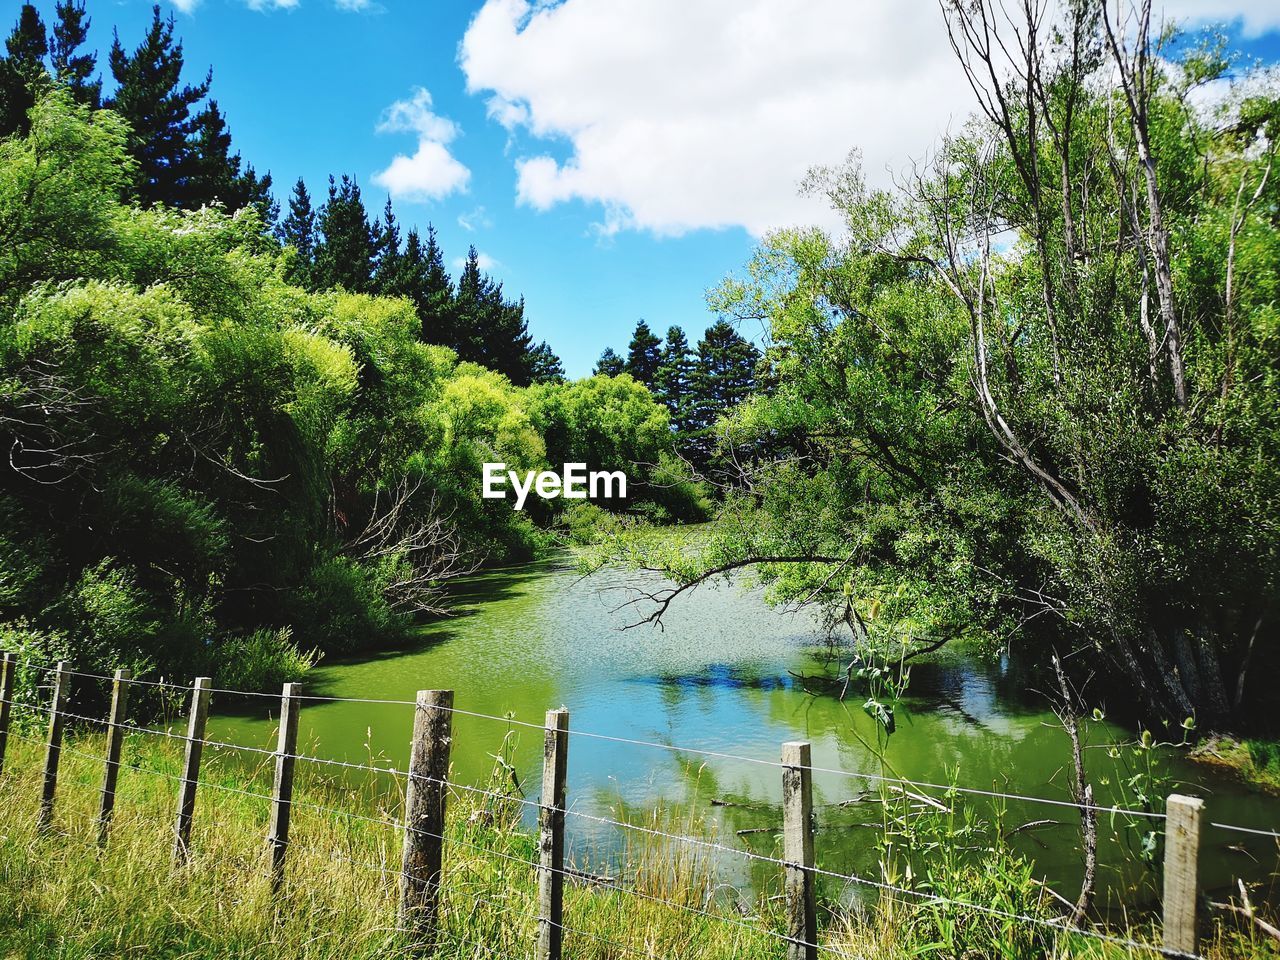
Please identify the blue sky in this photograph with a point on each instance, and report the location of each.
(611, 158)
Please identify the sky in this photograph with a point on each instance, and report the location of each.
(610, 160)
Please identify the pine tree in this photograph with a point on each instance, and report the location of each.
(544, 365)
(434, 294)
(216, 176)
(22, 71)
(389, 264)
(489, 329)
(73, 69)
(644, 354)
(724, 375)
(344, 257)
(298, 230)
(673, 384)
(151, 97)
(610, 364)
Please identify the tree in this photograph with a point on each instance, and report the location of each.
(388, 260)
(544, 365)
(151, 97)
(489, 329)
(433, 293)
(610, 364)
(345, 254)
(216, 175)
(673, 383)
(1030, 396)
(724, 373)
(644, 354)
(22, 70)
(70, 67)
(298, 230)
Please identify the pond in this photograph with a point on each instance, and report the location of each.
(721, 676)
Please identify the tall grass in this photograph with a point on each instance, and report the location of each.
(60, 897)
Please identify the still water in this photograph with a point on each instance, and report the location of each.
(721, 677)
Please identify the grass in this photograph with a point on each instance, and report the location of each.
(1255, 762)
(61, 898)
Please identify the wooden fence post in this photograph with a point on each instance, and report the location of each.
(191, 769)
(115, 737)
(1181, 849)
(282, 786)
(555, 766)
(8, 667)
(53, 749)
(797, 850)
(424, 810)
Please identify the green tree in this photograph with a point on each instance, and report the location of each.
(673, 383)
(22, 70)
(1032, 395)
(610, 364)
(345, 253)
(723, 374)
(432, 292)
(70, 66)
(216, 174)
(489, 329)
(298, 230)
(151, 97)
(544, 365)
(389, 260)
(644, 354)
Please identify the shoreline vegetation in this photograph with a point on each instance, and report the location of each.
(66, 899)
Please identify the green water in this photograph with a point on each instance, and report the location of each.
(719, 678)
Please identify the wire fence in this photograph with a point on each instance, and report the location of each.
(426, 783)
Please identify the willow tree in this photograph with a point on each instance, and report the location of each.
(1030, 393)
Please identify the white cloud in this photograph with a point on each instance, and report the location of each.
(684, 115)
(432, 172)
(483, 260)
(354, 6)
(186, 6)
(473, 220)
(1255, 17)
(271, 4)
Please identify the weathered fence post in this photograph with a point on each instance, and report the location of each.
(1181, 850)
(797, 850)
(424, 809)
(191, 768)
(555, 766)
(8, 667)
(115, 736)
(282, 786)
(53, 749)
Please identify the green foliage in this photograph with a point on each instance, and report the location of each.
(206, 458)
(261, 660)
(962, 420)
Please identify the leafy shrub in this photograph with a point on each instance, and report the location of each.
(261, 660)
(340, 607)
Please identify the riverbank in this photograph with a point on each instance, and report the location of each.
(1252, 761)
(62, 899)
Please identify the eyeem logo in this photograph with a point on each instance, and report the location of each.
(575, 483)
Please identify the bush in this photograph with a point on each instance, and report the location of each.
(261, 660)
(340, 607)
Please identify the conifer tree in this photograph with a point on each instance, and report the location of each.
(388, 258)
(298, 230)
(724, 374)
(434, 294)
(216, 175)
(22, 70)
(644, 353)
(344, 256)
(151, 96)
(489, 329)
(610, 364)
(71, 68)
(544, 365)
(673, 384)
